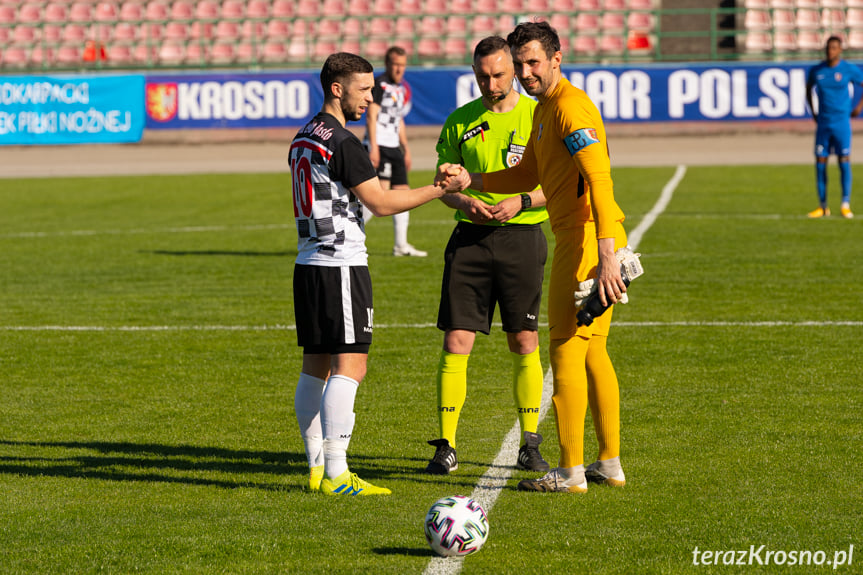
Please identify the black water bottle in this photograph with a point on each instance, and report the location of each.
(593, 308)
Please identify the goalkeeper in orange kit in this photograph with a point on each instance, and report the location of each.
(567, 155)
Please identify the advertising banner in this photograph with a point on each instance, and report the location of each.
(71, 109)
(697, 92)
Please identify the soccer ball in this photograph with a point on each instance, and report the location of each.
(456, 526)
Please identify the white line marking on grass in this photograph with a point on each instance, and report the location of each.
(658, 208)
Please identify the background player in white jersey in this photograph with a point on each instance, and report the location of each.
(331, 174)
(387, 141)
(495, 255)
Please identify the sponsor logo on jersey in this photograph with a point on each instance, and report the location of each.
(161, 101)
(474, 132)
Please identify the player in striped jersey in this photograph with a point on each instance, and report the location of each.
(332, 178)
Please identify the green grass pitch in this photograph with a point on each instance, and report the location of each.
(147, 368)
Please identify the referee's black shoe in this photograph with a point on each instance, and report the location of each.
(444, 459)
(529, 457)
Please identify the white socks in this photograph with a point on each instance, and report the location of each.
(337, 422)
(307, 405)
(400, 228)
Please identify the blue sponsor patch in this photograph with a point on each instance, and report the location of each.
(580, 139)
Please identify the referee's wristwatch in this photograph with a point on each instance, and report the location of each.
(525, 201)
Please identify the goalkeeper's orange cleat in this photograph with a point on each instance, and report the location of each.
(846, 211)
(819, 213)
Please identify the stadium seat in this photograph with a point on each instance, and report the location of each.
(105, 12)
(407, 44)
(176, 31)
(54, 13)
(384, 7)
(380, 27)
(227, 30)
(785, 41)
(585, 46)
(833, 3)
(247, 53)
(855, 3)
(329, 27)
(854, 18)
(780, 4)
(74, 34)
(757, 4)
(172, 53)
(156, 11)
(206, 10)
(359, 8)
(435, 7)
(297, 51)
(119, 54)
(483, 25)
(757, 20)
(639, 42)
(429, 48)
(375, 48)
(307, 8)
(456, 26)
(351, 45)
(29, 13)
(807, 4)
(14, 57)
(433, 25)
(807, 19)
(196, 53)
(587, 23)
(612, 44)
(278, 30)
(513, 6)
(253, 30)
(612, 22)
(808, 40)
(182, 11)
(233, 9)
(561, 22)
(302, 28)
(24, 34)
(582, 5)
(51, 33)
(79, 12)
(641, 21)
(221, 53)
(352, 27)
(640, 4)
(614, 4)
(323, 49)
(103, 32)
(455, 50)
(258, 9)
(410, 7)
(68, 55)
(125, 32)
(200, 29)
(151, 31)
(784, 20)
(7, 14)
(404, 27)
(855, 39)
(833, 19)
(131, 12)
(460, 7)
(758, 42)
(564, 5)
(333, 8)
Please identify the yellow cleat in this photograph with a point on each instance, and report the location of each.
(316, 474)
(846, 211)
(349, 484)
(819, 213)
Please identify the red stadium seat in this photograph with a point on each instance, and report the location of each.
(614, 4)
(233, 9)
(196, 53)
(54, 13)
(68, 55)
(14, 57)
(486, 6)
(222, 53)
(131, 12)
(806, 19)
(612, 22)
(247, 53)
(855, 18)
(176, 31)
(429, 48)
(24, 34)
(350, 45)
(79, 12)
(585, 45)
(200, 29)
(206, 10)
(587, 23)
(119, 54)
(258, 9)
(182, 11)
(513, 6)
(785, 41)
(613, 44)
(156, 11)
(74, 34)
(432, 26)
(435, 7)
(375, 48)
(7, 14)
(455, 49)
(282, 9)
(151, 31)
(456, 26)
(582, 5)
(460, 7)
(833, 19)
(323, 49)
(227, 30)
(51, 33)
(359, 7)
(29, 13)
(564, 5)
(308, 8)
(352, 27)
(329, 27)
(410, 7)
(253, 30)
(172, 53)
(125, 32)
(302, 28)
(758, 42)
(333, 8)
(103, 32)
(561, 22)
(639, 42)
(278, 30)
(809, 40)
(405, 27)
(381, 27)
(384, 7)
(640, 4)
(106, 12)
(297, 51)
(784, 20)
(484, 25)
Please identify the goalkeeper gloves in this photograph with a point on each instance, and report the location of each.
(630, 268)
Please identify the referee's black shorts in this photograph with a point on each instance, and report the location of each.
(333, 308)
(488, 265)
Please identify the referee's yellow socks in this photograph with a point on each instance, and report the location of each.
(451, 392)
(527, 389)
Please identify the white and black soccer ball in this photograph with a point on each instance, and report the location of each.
(456, 526)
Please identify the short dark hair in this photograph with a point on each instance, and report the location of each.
(490, 45)
(833, 39)
(530, 31)
(397, 50)
(339, 67)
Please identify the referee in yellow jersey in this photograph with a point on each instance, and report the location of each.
(495, 256)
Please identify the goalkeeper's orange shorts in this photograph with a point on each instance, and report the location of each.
(576, 255)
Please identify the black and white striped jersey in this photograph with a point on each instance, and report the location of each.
(327, 160)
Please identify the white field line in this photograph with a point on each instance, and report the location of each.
(495, 478)
(291, 327)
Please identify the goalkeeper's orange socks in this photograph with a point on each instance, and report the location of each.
(604, 398)
(451, 392)
(570, 397)
(527, 389)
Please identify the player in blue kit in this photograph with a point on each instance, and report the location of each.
(831, 81)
